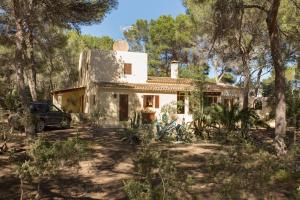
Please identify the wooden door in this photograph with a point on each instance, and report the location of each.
(123, 107)
(82, 104)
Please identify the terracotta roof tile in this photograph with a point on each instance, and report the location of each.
(147, 86)
(165, 87)
(154, 79)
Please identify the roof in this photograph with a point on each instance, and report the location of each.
(165, 85)
(169, 80)
(157, 84)
(147, 86)
(68, 90)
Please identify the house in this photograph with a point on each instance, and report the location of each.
(114, 85)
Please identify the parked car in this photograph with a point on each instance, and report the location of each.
(47, 114)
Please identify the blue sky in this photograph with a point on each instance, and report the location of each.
(129, 11)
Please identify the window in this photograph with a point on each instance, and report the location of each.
(191, 105)
(257, 104)
(93, 99)
(151, 101)
(127, 69)
(228, 102)
(180, 103)
(210, 100)
(148, 101)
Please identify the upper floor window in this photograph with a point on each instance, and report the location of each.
(127, 68)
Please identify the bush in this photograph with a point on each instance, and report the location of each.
(43, 159)
(158, 177)
(246, 170)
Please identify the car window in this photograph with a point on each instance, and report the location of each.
(54, 109)
(39, 108)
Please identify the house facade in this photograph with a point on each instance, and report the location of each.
(114, 85)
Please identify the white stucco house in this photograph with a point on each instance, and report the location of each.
(115, 84)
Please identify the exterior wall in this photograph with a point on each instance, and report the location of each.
(106, 107)
(69, 101)
(266, 109)
(84, 68)
(108, 66)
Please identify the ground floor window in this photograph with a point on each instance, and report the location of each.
(210, 100)
(228, 102)
(257, 104)
(151, 101)
(180, 103)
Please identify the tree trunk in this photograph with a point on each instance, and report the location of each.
(280, 118)
(246, 88)
(258, 81)
(246, 72)
(32, 69)
(19, 65)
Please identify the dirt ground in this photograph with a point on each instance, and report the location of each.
(102, 175)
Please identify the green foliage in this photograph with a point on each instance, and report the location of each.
(136, 120)
(11, 101)
(45, 158)
(227, 119)
(138, 35)
(249, 170)
(158, 177)
(137, 190)
(228, 78)
(63, 62)
(292, 99)
(132, 136)
(165, 39)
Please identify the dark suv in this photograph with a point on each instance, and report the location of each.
(47, 114)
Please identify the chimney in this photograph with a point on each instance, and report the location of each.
(174, 69)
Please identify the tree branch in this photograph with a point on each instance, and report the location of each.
(295, 4)
(255, 6)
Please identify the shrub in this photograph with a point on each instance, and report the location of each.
(43, 159)
(245, 170)
(158, 177)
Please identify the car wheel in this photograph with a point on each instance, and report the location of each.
(40, 126)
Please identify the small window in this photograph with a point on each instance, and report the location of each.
(228, 102)
(210, 100)
(191, 106)
(93, 99)
(127, 69)
(258, 104)
(180, 103)
(148, 101)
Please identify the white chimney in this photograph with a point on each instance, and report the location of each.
(174, 69)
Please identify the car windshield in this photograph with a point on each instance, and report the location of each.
(54, 109)
(39, 108)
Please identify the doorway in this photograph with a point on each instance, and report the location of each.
(123, 107)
